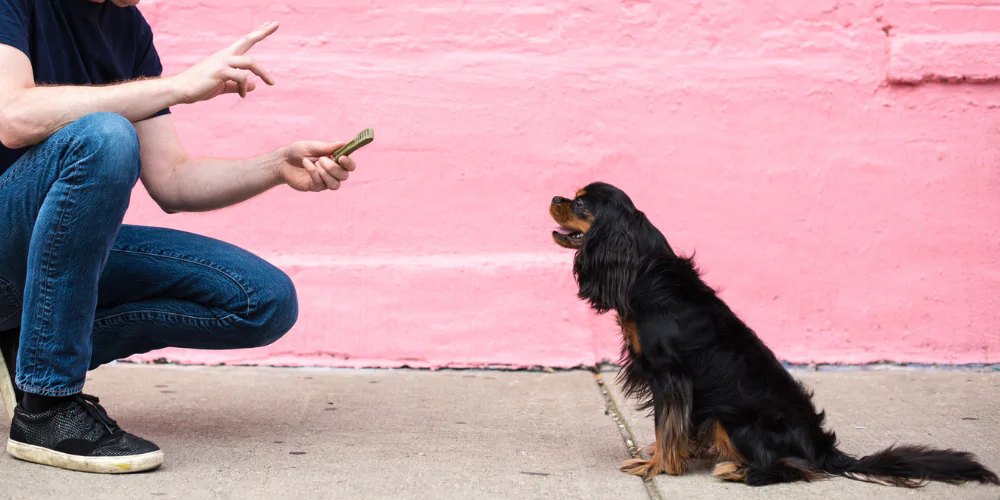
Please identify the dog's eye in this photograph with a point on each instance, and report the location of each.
(578, 203)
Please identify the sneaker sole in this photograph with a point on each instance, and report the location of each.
(99, 465)
(7, 390)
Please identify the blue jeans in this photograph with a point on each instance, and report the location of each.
(86, 289)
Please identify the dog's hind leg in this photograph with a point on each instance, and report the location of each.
(713, 443)
(730, 471)
(785, 470)
(759, 466)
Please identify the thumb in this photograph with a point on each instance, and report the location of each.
(316, 148)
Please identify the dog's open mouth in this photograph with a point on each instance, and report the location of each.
(568, 238)
(571, 227)
(568, 234)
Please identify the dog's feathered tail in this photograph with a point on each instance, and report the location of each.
(911, 467)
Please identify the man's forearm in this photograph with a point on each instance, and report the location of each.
(32, 115)
(201, 185)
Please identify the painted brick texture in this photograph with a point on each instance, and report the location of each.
(846, 217)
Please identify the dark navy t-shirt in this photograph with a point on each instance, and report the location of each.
(78, 42)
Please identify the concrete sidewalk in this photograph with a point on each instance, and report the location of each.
(308, 433)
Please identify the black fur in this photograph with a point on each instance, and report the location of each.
(695, 352)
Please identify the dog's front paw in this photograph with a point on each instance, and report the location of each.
(648, 469)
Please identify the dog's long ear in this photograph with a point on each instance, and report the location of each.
(606, 264)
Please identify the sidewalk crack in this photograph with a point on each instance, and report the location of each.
(611, 410)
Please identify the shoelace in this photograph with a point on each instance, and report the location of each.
(92, 405)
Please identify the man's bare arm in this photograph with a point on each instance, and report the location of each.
(182, 184)
(30, 114)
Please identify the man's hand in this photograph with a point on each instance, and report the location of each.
(225, 72)
(308, 166)
(30, 114)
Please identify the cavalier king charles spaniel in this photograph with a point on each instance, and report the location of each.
(715, 390)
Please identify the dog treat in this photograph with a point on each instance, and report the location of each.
(367, 135)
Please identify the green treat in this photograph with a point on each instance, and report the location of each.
(367, 135)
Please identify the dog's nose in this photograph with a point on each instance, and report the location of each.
(557, 200)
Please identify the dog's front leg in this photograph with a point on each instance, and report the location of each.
(672, 420)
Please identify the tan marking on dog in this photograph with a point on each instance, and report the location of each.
(563, 214)
(730, 471)
(630, 332)
(670, 451)
(720, 446)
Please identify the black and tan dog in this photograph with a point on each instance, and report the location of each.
(715, 389)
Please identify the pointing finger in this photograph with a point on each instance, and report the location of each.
(250, 39)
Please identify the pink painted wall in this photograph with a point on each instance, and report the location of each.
(836, 177)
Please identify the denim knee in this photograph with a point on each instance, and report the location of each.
(112, 140)
(275, 307)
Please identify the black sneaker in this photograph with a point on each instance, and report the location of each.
(79, 435)
(10, 395)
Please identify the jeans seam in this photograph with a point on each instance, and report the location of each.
(11, 315)
(228, 274)
(47, 294)
(13, 291)
(13, 173)
(61, 231)
(48, 392)
(161, 313)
